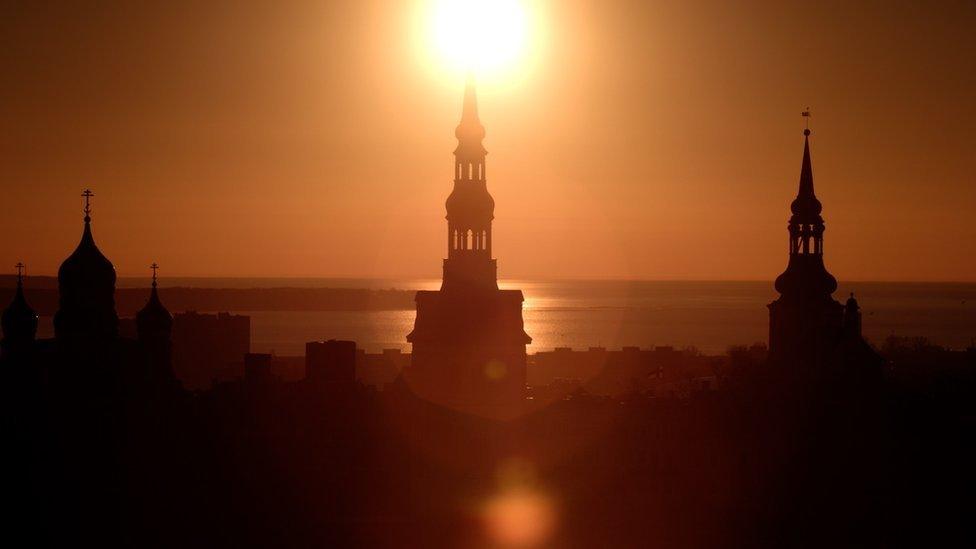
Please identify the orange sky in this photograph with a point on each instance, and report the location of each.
(650, 140)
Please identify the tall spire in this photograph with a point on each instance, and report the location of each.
(470, 132)
(470, 109)
(805, 273)
(806, 208)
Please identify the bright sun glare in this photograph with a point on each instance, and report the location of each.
(483, 36)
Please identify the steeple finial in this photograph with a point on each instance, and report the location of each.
(470, 112)
(88, 196)
(20, 273)
(470, 132)
(806, 206)
(154, 267)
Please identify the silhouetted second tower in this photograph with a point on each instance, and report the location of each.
(809, 331)
(19, 321)
(806, 317)
(154, 326)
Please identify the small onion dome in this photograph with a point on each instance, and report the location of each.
(153, 318)
(852, 303)
(86, 269)
(805, 207)
(470, 203)
(19, 321)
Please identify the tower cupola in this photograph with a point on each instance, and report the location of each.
(470, 208)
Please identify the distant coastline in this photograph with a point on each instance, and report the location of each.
(44, 299)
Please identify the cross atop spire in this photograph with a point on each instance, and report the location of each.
(806, 114)
(20, 272)
(88, 196)
(154, 267)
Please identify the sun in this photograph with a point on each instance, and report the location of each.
(485, 37)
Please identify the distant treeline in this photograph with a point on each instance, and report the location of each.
(130, 300)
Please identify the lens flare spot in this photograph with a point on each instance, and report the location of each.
(519, 518)
(496, 370)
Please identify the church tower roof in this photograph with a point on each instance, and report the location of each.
(86, 265)
(470, 207)
(470, 132)
(806, 277)
(154, 318)
(86, 282)
(806, 207)
(19, 320)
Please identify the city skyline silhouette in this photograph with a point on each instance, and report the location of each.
(482, 410)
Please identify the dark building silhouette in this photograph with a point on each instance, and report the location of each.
(209, 347)
(257, 368)
(381, 369)
(331, 363)
(19, 322)
(808, 328)
(468, 337)
(154, 327)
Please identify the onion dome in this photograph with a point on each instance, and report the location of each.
(852, 305)
(470, 204)
(806, 275)
(805, 207)
(19, 321)
(154, 318)
(86, 282)
(87, 266)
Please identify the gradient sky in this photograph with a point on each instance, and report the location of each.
(652, 140)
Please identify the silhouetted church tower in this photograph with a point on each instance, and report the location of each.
(154, 326)
(470, 208)
(469, 339)
(86, 283)
(806, 317)
(808, 329)
(19, 322)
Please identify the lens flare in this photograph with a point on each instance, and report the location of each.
(520, 514)
(519, 518)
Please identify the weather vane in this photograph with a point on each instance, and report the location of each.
(88, 196)
(154, 267)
